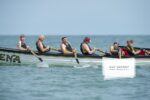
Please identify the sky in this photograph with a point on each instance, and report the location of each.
(75, 17)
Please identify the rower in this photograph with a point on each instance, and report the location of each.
(40, 45)
(130, 48)
(66, 47)
(115, 50)
(21, 44)
(147, 52)
(85, 48)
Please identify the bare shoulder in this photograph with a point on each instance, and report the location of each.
(19, 42)
(84, 45)
(112, 47)
(62, 46)
(39, 42)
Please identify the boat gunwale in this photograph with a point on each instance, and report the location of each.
(136, 48)
(57, 54)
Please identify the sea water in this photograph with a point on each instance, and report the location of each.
(32, 82)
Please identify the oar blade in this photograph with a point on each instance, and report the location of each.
(40, 59)
(77, 60)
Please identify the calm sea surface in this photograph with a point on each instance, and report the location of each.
(67, 82)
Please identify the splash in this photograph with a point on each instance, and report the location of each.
(85, 66)
(42, 64)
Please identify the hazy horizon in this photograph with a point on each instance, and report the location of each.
(75, 17)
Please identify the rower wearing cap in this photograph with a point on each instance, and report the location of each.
(116, 50)
(130, 48)
(40, 45)
(21, 44)
(66, 47)
(85, 48)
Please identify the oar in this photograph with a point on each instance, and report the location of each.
(75, 54)
(36, 55)
(76, 58)
(103, 52)
(55, 49)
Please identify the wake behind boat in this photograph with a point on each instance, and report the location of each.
(16, 56)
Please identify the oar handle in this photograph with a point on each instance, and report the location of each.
(100, 50)
(103, 52)
(55, 49)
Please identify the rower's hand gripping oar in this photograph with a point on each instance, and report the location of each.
(36, 55)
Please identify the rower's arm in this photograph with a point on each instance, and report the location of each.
(135, 52)
(88, 49)
(63, 49)
(19, 46)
